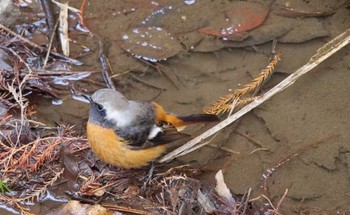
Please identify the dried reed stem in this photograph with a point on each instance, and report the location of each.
(322, 54)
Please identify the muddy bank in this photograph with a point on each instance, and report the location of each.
(203, 63)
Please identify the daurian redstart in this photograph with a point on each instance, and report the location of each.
(130, 134)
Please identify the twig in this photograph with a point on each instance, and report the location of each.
(250, 139)
(281, 200)
(52, 36)
(82, 9)
(247, 200)
(104, 65)
(17, 93)
(50, 19)
(125, 209)
(322, 54)
(265, 197)
(223, 148)
(42, 73)
(41, 48)
(274, 209)
(258, 149)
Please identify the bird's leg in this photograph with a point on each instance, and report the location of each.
(149, 175)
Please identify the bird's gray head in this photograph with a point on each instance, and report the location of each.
(109, 99)
(106, 107)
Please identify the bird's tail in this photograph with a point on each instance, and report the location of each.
(183, 120)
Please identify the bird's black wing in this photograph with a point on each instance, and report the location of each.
(136, 135)
(169, 136)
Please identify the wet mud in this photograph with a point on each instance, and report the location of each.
(185, 68)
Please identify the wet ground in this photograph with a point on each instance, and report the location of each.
(204, 67)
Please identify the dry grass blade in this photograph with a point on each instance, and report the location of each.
(125, 209)
(274, 210)
(223, 104)
(63, 29)
(14, 201)
(17, 91)
(322, 54)
(50, 44)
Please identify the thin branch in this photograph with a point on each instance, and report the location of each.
(50, 44)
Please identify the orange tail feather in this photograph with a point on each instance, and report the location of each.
(180, 121)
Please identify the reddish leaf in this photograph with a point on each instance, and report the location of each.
(241, 17)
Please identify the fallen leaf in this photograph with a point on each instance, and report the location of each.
(150, 43)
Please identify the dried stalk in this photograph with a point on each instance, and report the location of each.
(52, 37)
(322, 54)
(125, 209)
(223, 104)
(63, 29)
(274, 209)
(17, 93)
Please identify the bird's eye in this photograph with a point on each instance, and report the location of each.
(99, 107)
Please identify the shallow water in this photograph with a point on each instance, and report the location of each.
(314, 108)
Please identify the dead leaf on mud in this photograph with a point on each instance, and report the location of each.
(300, 8)
(284, 29)
(150, 43)
(70, 163)
(240, 17)
(181, 17)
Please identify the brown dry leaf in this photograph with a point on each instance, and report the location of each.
(181, 17)
(240, 17)
(301, 8)
(70, 163)
(74, 207)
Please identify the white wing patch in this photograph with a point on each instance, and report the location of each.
(154, 132)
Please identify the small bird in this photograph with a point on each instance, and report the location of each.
(130, 134)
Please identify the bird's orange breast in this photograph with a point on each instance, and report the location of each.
(113, 150)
